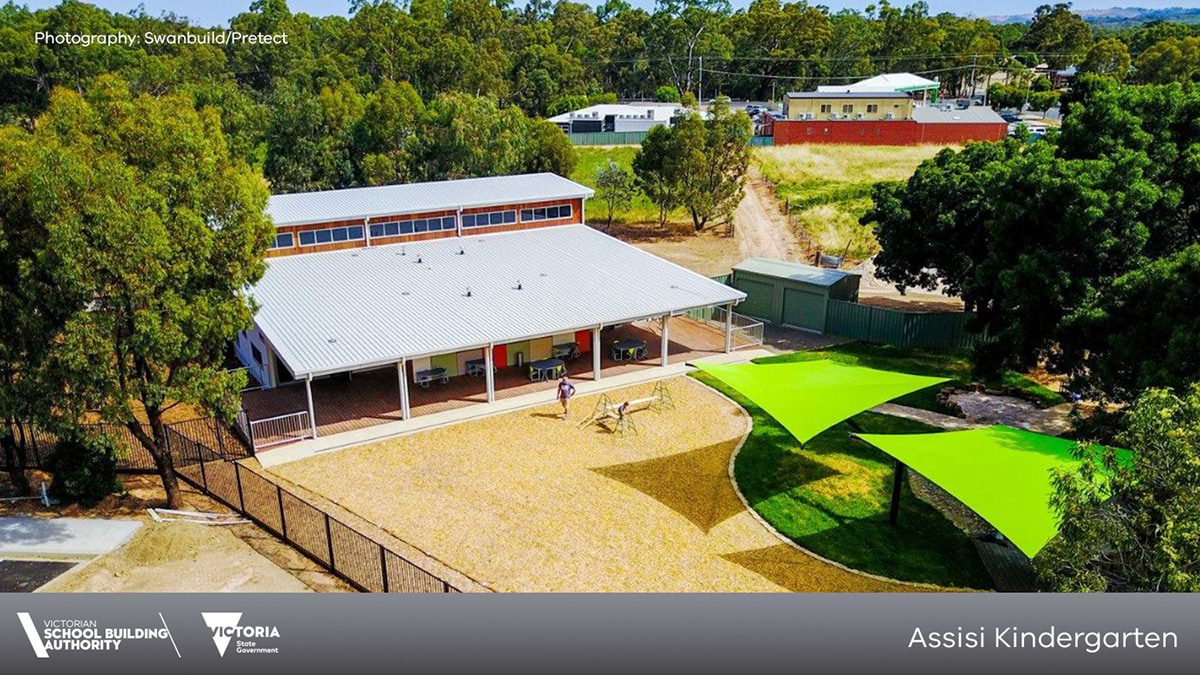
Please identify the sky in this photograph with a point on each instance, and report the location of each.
(218, 12)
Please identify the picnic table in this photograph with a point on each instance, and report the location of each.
(566, 350)
(477, 367)
(546, 369)
(424, 377)
(629, 349)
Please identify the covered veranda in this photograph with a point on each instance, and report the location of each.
(468, 321)
(351, 401)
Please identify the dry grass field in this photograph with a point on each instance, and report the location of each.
(528, 502)
(829, 186)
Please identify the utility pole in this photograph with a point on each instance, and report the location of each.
(974, 60)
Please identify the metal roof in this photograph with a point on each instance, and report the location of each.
(975, 114)
(660, 113)
(343, 310)
(886, 82)
(846, 94)
(783, 269)
(303, 208)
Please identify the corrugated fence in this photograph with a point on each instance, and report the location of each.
(936, 330)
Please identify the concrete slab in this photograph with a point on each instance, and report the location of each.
(380, 432)
(63, 537)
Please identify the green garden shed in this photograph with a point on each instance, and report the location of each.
(791, 294)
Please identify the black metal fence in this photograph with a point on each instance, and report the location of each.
(205, 454)
(206, 462)
(40, 446)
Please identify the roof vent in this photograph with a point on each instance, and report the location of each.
(418, 260)
(543, 274)
(468, 291)
(401, 250)
(519, 287)
(332, 341)
(405, 293)
(462, 251)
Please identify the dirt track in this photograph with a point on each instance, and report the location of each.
(759, 228)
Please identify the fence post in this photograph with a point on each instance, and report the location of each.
(282, 519)
(383, 566)
(220, 440)
(200, 456)
(329, 542)
(237, 474)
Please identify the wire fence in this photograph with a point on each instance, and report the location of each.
(205, 453)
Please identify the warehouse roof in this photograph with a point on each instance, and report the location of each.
(343, 310)
(842, 93)
(660, 112)
(789, 270)
(354, 203)
(976, 114)
(886, 82)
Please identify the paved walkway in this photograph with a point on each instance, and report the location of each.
(63, 537)
(381, 432)
(933, 419)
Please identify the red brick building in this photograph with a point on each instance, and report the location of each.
(929, 124)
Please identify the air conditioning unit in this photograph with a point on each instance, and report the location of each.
(835, 116)
(891, 116)
(861, 116)
(809, 116)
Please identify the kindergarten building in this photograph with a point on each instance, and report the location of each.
(383, 303)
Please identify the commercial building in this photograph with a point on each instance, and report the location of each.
(616, 118)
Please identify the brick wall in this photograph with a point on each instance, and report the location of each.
(576, 217)
(897, 132)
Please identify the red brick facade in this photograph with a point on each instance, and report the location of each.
(576, 217)
(889, 132)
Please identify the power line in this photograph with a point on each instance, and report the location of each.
(820, 77)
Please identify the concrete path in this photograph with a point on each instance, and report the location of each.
(380, 432)
(987, 409)
(62, 537)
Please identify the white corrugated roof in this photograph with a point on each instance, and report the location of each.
(342, 310)
(885, 82)
(783, 269)
(352, 203)
(661, 113)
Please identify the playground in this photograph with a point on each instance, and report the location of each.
(528, 502)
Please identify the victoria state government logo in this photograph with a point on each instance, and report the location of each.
(227, 627)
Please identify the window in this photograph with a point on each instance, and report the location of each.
(847, 107)
(872, 108)
(284, 240)
(256, 353)
(412, 226)
(486, 219)
(331, 235)
(546, 213)
(826, 107)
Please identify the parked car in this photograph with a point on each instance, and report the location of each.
(753, 109)
(1010, 116)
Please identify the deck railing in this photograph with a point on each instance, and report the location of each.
(747, 332)
(272, 431)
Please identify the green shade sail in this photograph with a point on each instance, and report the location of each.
(1001, 473)
(808, 397)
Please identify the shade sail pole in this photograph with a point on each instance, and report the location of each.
(312, 414)
(729, 328)
(897, 483)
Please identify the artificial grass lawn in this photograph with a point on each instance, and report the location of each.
(832, 497)
(952, 364)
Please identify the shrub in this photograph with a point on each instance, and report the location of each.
(85, 468)
(666, 94)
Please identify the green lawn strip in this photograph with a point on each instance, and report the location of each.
(954, 364)
(832, 497)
